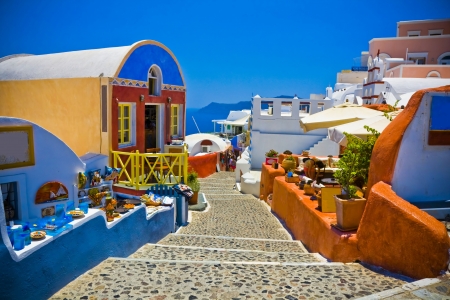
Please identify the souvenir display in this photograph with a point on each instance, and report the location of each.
(112, 174)
(50, 192)
(48, 211)
(94, 178)
(81, 180)
(184, 190)
(76, 213)
(37, 235)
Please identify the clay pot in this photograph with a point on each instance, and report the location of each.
(288, 165)
(349, 212)
(194, 199)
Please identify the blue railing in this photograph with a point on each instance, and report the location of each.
(360, 69)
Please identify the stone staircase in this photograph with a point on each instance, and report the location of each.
(236, 249)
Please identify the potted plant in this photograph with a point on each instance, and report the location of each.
(289, 163)
(353, 173)
(194, 184)
(271, 157)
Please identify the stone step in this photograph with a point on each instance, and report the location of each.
(185, 253)
(237, 218)
(225, 242)
(230, 197)
(428, 288)
(133, 278)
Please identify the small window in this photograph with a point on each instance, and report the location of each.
(435, 32)
(439, 128)
(154, 81)
(414, 33)
(206, 149)
(444, 60)
(418, 58)
(174, 120)
(10, 201)
(124, 124)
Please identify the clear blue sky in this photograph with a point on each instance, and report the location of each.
(227, 49)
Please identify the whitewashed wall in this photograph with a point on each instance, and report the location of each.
(280, 131)
(54, 161)
(422, 171)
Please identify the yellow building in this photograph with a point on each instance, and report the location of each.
(122, 98)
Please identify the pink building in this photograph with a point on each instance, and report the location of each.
(421, 49)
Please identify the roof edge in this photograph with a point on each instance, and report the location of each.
(149, 42)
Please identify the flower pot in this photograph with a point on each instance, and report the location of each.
(349, 212)
(194, 199)
(271, 160)
(288, 165)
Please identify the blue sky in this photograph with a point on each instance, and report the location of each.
(228, 50)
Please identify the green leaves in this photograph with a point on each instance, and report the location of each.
(355, 162)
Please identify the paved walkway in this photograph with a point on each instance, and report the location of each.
(236, 249)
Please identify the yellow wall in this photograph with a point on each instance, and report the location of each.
(68, 108)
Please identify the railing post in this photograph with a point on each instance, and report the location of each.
(185, 164)
(136, 162)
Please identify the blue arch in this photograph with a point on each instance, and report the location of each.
(142, 58)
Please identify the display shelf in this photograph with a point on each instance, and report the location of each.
(82, 194)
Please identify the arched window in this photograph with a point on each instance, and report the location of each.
(384, 55)
(154, 81)
(444, 59)
(434, 74)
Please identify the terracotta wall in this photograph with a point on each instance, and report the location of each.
(132, 95)
(268, 175)
(401, 238)
(396, 48)
(204, 165)
(403, 28)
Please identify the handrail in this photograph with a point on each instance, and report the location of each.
(143, 170)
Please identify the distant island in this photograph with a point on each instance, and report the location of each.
(215, 107)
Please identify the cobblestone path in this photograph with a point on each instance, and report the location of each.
(235, 249)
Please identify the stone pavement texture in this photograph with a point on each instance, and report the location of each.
(236, 249)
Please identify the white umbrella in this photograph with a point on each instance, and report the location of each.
(337, 115)
(357, 129)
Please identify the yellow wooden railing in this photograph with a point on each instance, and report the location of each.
(142, 170)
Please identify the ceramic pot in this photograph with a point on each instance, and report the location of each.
(288, 165)
(309, 190)
(349, 212)
(271, 160)
(194, 199)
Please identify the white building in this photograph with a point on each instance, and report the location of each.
(235, 123)
(277, 127)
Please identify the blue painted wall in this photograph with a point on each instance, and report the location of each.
(139, 62)
(50, 268)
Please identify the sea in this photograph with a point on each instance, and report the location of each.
(203, 120)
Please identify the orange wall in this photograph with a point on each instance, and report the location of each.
(401, 238)
(204, 165)
(403, 28)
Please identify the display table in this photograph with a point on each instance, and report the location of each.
(268, 174)
(310, 225)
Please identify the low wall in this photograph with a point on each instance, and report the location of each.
(398, 236)
(268, 175)
(310, 225)
(53, 266)
(204, 165)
